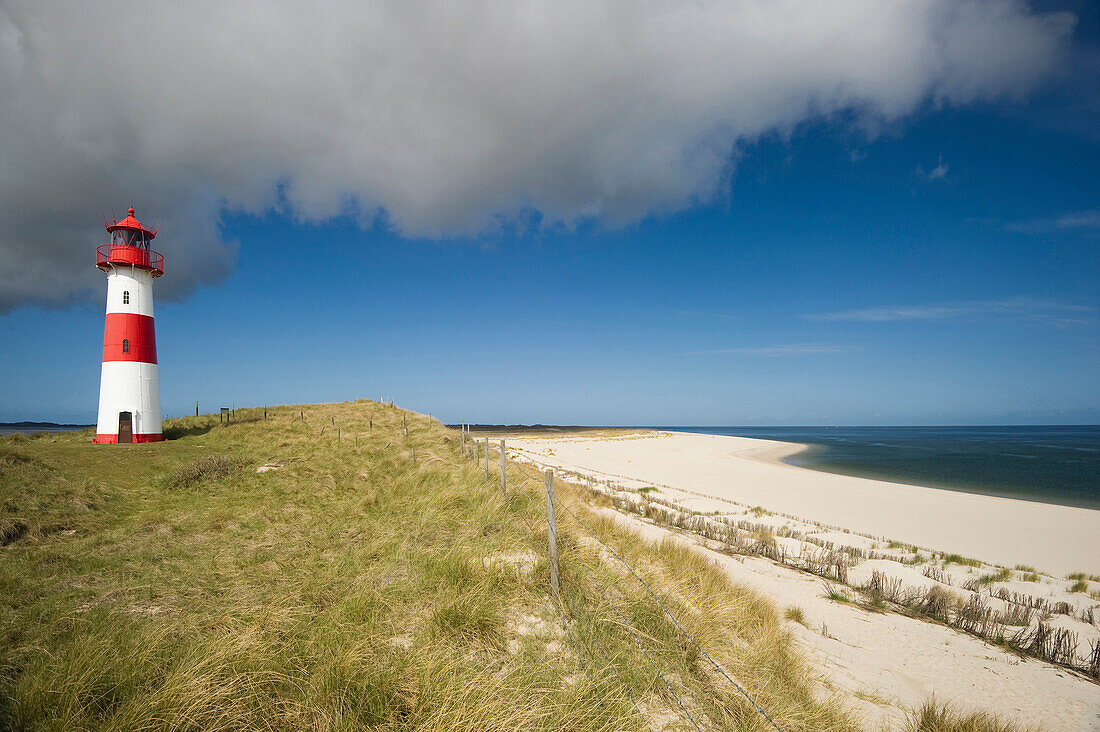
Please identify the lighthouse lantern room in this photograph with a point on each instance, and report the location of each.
(129, 398)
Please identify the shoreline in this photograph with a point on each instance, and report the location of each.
(1005, 530)
(804, 458)
(882, 478)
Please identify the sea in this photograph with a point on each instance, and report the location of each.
(22, 429)
(1052, 464)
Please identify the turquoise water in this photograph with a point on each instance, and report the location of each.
(1053, 464)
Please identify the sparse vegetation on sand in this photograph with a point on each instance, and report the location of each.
(935, 717)
(175, 585)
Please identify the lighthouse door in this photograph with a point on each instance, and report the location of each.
(125, 428)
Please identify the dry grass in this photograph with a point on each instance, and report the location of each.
(164, 587)
(196, 472)
(934, 717)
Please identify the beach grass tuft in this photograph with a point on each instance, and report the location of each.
(936, 717)
(796, 614)
(959, 559)
(202, 470)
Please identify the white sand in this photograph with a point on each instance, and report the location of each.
(884, 662)
(887, 663)
(1056, 539)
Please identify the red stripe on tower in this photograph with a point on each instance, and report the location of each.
(112, 439)
(129, 337)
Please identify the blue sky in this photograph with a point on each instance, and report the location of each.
(937, 267)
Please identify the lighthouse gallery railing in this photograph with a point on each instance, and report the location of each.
(108, 254)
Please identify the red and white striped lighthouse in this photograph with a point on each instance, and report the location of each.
(129, 397)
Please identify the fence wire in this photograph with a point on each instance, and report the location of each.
(606, 656)
(672, 617)
(740, 689)
(638, 642)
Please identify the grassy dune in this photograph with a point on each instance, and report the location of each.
(172, 586)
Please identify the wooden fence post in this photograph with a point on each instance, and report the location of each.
(552, 526)
(462, 439)
(486, 459)
(503, 492)
(265, 412)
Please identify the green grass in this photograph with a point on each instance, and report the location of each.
(1083, 576)
(1079, 586)
(832, 593)
(959, 559)
(170, 586)
(1001, 575)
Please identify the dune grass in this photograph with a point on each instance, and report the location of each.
(348, 586)
(936, 717)
(173, 586)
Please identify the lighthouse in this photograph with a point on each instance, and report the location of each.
(129, 397)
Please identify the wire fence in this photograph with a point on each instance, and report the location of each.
(566, 594)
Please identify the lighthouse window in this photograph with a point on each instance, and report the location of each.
(126, 297)
(125, 345)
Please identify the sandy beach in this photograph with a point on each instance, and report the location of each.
(886, 662)
(1055, 539)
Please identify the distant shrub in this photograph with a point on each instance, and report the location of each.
(212, 467)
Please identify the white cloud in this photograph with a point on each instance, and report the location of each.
(938, 172)
(443, 118)
(1076, 220)
(798, 349)
(1024, 308)
(1079, 220)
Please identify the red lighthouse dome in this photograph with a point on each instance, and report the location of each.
(130, 241)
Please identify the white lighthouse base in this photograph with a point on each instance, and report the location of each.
(129, 389)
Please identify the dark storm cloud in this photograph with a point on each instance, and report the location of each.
(445, 118)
